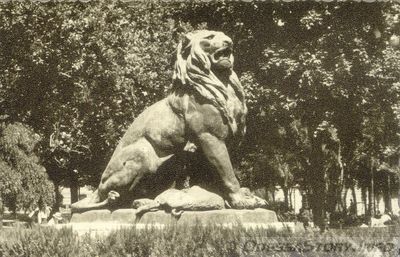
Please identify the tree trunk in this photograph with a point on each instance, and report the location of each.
(269, 194)
(319, 189)
(373, 193)
(319, 202)
(74, 193)
(273, 194)
(398, 198)
(344, 199)
(58, 195)
(341, 180)
(286, 194)
(74, 187)
(364, 199)
(294, 200)
(371, 197)
(13, 207)
(387, 195)
(353, 192)
(370, 207)
(1, 212)
(319, 211)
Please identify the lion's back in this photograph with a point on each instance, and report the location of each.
(157, 123)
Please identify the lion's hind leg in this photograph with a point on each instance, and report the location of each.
(122, 175)
(127, 168)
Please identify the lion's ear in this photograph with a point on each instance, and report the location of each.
(181, 55)
(184, 46)
(182, 50)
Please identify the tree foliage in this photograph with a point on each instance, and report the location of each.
(23, 180)
(321, 80)
(79, 74)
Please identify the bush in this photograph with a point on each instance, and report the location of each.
(195, 241)
(23, 180)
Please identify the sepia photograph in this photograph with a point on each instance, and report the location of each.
(171, 128)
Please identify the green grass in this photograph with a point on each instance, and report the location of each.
(197, 241)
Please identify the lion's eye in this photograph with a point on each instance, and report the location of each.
(209, 37)
(204, 44)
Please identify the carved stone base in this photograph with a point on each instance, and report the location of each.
(223, 217)
(104, 221)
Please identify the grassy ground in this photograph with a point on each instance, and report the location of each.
(200, 241)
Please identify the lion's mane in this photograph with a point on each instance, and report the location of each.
(193, 71)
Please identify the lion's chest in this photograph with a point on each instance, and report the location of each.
(235, 108)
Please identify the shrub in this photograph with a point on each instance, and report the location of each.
(196, 240)
(23, 180)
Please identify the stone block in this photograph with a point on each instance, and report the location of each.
(92, 216)
(222, 217)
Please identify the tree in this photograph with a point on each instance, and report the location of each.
(23, 180)
(309, 78)
(94, 67)
(321, 85)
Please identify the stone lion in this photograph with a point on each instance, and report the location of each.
(206, 110)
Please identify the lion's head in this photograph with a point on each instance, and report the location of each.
(204, 62)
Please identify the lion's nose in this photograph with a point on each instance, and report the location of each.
(227, 43)
(224, 40)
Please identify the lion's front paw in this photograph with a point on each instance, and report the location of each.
(112, 196)
(244, 199)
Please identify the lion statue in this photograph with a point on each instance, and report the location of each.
(206, 110)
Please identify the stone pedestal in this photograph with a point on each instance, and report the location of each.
(103, 221)
(219, 217)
